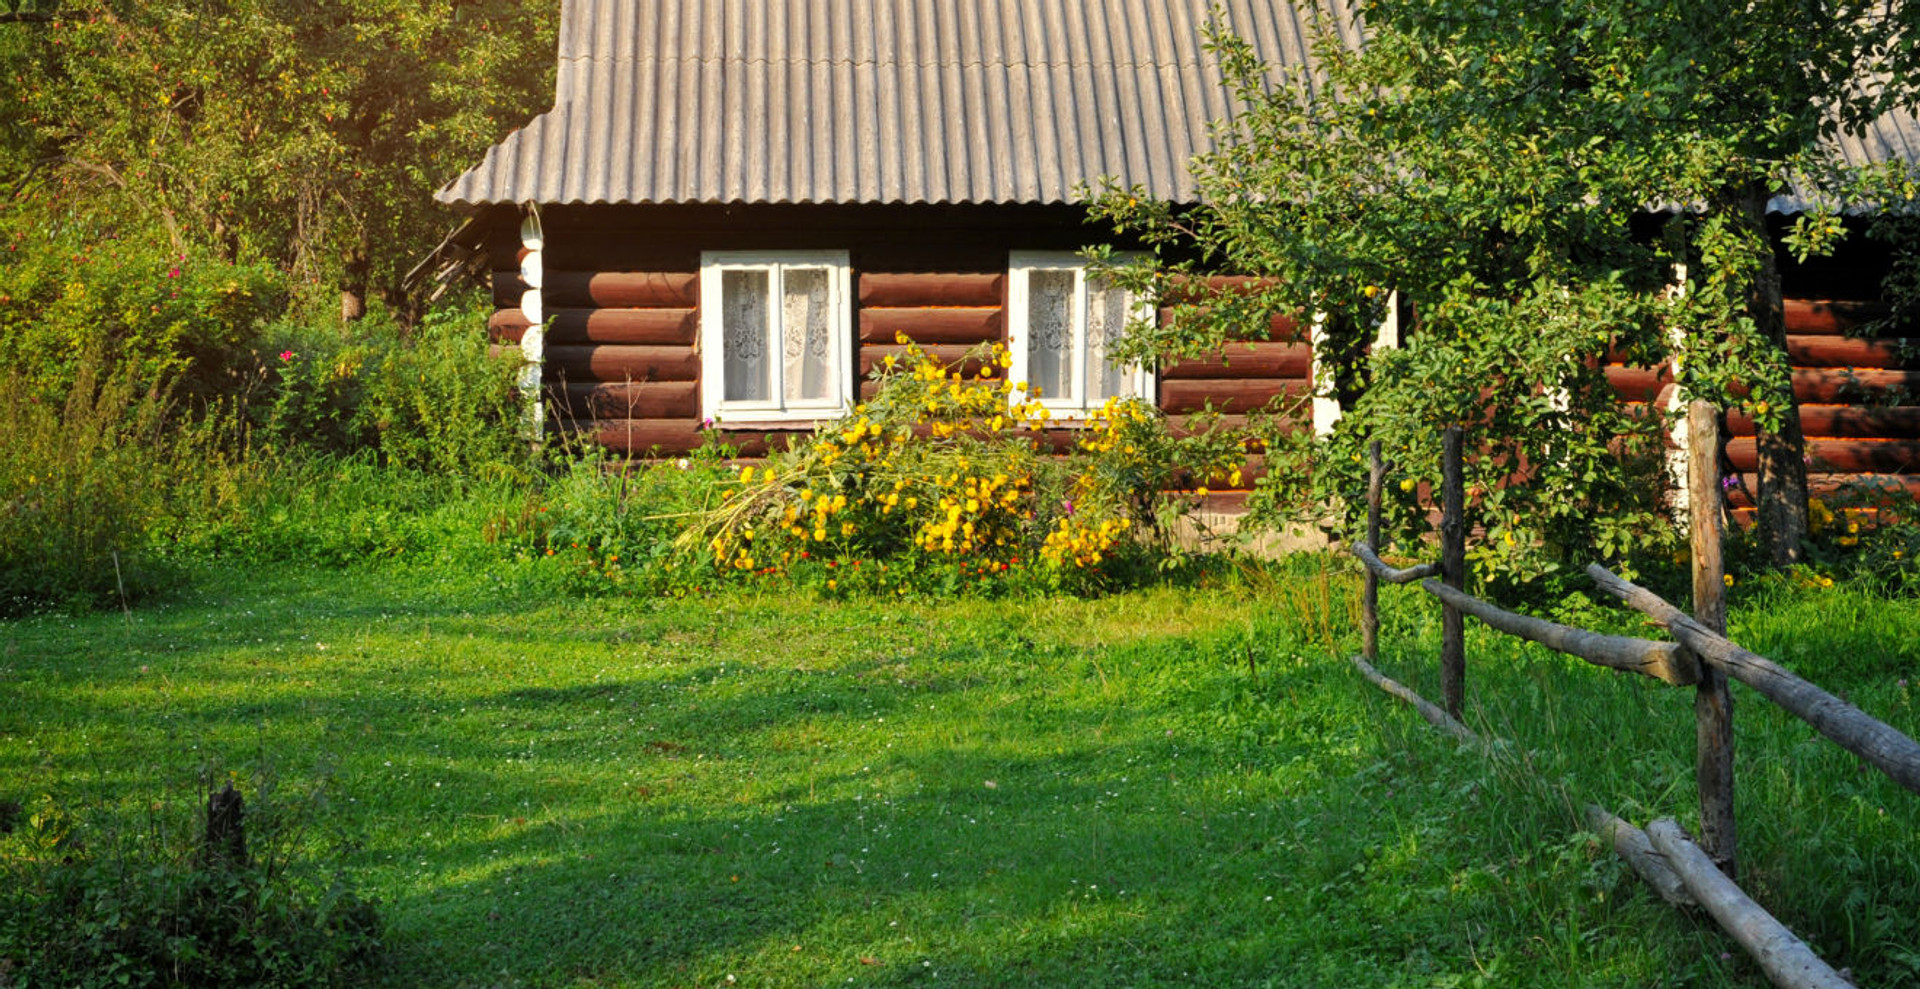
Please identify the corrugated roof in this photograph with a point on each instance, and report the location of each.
(901, 101)
(877, 101)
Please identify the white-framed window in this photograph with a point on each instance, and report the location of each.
(775, 336)
(1061, 322)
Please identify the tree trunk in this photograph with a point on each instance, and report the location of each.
(1783, 465)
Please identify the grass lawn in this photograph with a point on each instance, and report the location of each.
(1165, 787)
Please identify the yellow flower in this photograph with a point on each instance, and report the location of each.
(1729, 580)
(1407, 484)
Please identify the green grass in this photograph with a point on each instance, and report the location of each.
(1165, 787)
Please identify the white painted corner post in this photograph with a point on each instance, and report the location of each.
(533, 344)
(1326, 395)
(1326, 398)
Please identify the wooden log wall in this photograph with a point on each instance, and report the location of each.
(621, 290)
(1859, 400)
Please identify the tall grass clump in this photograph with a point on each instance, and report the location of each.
(80, 483)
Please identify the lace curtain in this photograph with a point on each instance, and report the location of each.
(1106, 323)
(744, 336)
(807, 344)
(1050, 304)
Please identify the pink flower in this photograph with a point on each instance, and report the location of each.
(286, 355)
(173, 272)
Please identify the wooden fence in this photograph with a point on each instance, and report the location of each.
(1700, 657)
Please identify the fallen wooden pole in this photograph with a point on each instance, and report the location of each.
(1380, 569)
(1786, 959)
(1631, 844)
(1851, 728)
(1661, 660)
(1434, 715)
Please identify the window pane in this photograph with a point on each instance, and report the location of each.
(808, 345)
(1050, 332)
(1106, 323)
(743, 323)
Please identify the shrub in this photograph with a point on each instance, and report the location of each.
(941, 478)
(79, 484)
(130, 303)
(430, 399)
(93, 904)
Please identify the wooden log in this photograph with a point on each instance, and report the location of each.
(1832, 317)
(672, 437)
(1435, 716)
(922, 289)
(932, 326)
(1263, 359)
(951, 356)
(1849, 421)
(1786, 960)
(1187, 289)
(1712, 700)
(1660, 660)
(1280, 331)
(658, 327)
(1637, 384)
(628, 400)
(1228, 395)
(1379, 569)
(605, 289)
(1852, 729)
(1839, 456)
(1848, 385)
(1453, 567)
(621, 362)
(1632, 844)
(1829, 485)
(1370, 583)
(1828, 351)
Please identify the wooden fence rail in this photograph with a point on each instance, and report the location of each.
(1701, 657)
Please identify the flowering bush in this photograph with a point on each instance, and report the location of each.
(943, 480)
(1869, 530)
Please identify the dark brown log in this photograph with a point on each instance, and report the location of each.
(1825, 351)
(1280, 330)
(1435, 716)
(226, 838)
(1835, 317)
(1828, 485)
(673, 437)
(1196, 289)
(659, 327)
(1223, 502)
(1852, 729)
(1246, 360)
(1637, 384)
(923, 289)
(620, 362)
(1840, 456)
(1632, 844)
(951, 356)
(932, 326)
(604, 289)
(1848, 385)
(628, 400)
(1712, 701)
(1378, 568)
(1659, 660)
(1844, 421)
(1229, 395)
(1786, 959)
(1453, 566)
(1370, 586)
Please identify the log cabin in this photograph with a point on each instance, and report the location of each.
(736, 207)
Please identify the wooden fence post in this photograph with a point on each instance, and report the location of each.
(1370, 586)
(1712, 700)
(1453, 564)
